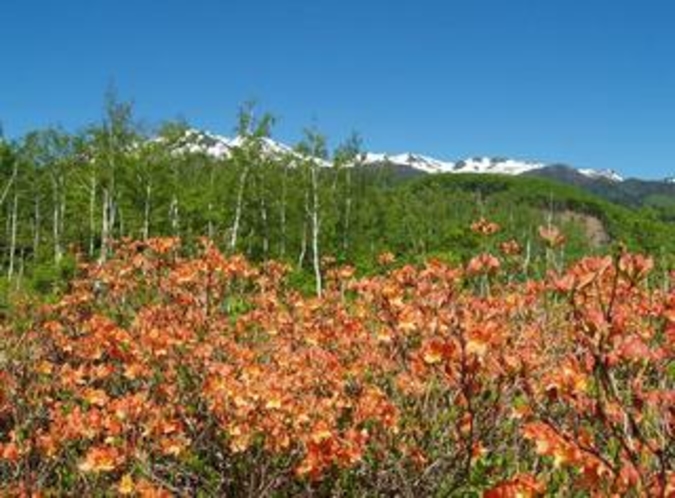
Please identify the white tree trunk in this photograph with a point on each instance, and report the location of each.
(263, 217)
(173, 214)
(282, 215)
(234, 230)
(316, 257)
(56, 221)
(303, 242)
(62, 216)
(528, 256)
(105, 225)
(92, 219)
(5, 191)
(112, 215)
(55, 234)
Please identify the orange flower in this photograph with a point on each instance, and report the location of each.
(436, 351)
(521, 486)
(510, 248)
(386, 258)
(484, 227)
(552, 235)
(483, 264)
(101, 459)
(10, 452)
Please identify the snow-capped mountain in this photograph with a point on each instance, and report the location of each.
(472, 165)
(219, 147)
(606, 174)
(488, 165)
(496, 166)
(203, 142)
(414, 161)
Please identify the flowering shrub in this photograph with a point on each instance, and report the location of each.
(160, 374)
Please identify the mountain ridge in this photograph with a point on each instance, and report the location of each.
(219, 146)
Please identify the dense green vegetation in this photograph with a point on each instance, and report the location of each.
(508, 198)
(657, 197)
(65, 195)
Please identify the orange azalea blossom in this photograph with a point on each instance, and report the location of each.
(521, 486)
(484, 227)
(552, 236)
(483, 264)
(101, 459)
(181, 368)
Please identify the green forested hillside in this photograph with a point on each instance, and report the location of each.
(530, 197)
(651, 195)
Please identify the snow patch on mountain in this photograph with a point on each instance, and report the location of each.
(477, 165)
(606, 174)
(203, 142)
(415, 161)
(496, 166)
(472, 165)
(221, 147)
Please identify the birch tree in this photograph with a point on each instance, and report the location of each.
(347, 158)
(113, 139)
(250, 134)
(7, 161)
(51, 153)
(313, 149)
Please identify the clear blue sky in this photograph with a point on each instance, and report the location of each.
(587, 82)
